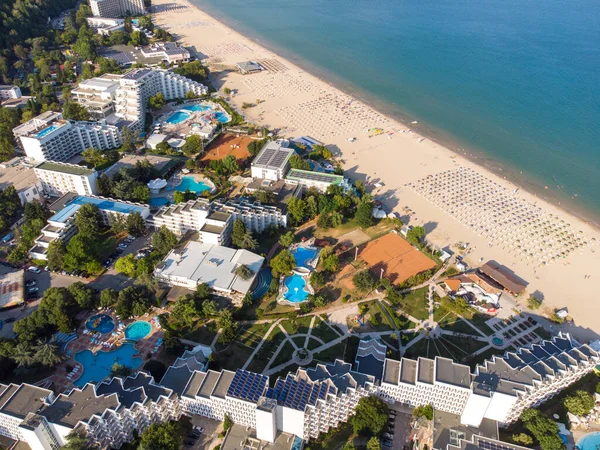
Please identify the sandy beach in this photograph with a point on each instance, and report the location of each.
(427, 184)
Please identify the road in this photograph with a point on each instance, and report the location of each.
(44, 280)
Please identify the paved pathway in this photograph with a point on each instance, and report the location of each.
(257, 348)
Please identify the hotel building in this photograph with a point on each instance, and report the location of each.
(256, 216)
(117, 8)
(61, 225)
(9, 92)
(469, 406)
(50, 137)
(59, 178)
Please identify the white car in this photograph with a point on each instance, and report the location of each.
(34, 269)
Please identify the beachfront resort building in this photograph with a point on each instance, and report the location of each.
(9, 92)
(166, 51)
(256, 216)
(201, 262)
(117, 8)
(272, 162)
(319, 180)
(123, 98)
(107, 413)
(50, 137)
(61, 225)
(59, 178)
(467, 406)
(106, 25)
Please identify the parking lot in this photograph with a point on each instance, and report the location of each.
(397, 433)
(209, 437)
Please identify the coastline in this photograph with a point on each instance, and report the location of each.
(525, 181)
(298, 103)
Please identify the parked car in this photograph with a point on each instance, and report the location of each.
(34, 269)
(386, 443)
(32, 290)
(30, 283)
(9, 320)
(388, 436)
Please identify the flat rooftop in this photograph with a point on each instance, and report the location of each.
(319, 177)
(212, 264)
(11, 289)
(272, 156)
(103, 204)
(71, 169)
(18, 401)
(19, 176)
(240, 438)
(129, 161)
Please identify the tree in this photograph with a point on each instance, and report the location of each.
(119, 370)
(226, 91)
(296, 210)
(83, 295)
(157, 101)
(415, 235)
(126, 265)
(580, 403)
(227, 422)
(118, 38)
(180, 197)
(164, 240)
(209, 308)
(371, 416)
(108, 298)
(265, 197)
(80, 251)
(364, 281)
(185, 312)
(93, 156)
(374, 444)
(133, 300)
(22, 353)
(425, 411)
(137, 38)
(317, 279)
(364, 214)
(244, 272)
(194, 70)
(283, 262)
(533, 302)
(230, 164)
(287, 239)
(324, 221)
(76, 441)
(297, 162)
(89, 220)
(331, 263)
(522, 438)
(227, 326)
(135, 224)
(241, 237)
(544, 429)
(192, 146)
(47, 354)
(56, 254)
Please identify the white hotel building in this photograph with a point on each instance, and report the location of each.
(117, 8)
(50, 137)
(256, 216)
(308, 402)
(58, 178)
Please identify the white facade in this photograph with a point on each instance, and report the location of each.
(106, 26)
(272, 162)
(97, 95)
(59, 178)
(256, 216)
(117, 8)
(50, 137)
(168, 51)
(8, 92)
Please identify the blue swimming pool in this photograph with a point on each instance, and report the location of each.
(197, 108)
(97, 367)
(46, 131)
(303, 255)
(589, 442)
(219, 115)
(296, 289)
(190, 183)
(101, 323)
(159, 201)
(177, 117)
(138, 330)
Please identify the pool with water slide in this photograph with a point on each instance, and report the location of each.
(190, 183)
(138, 330)
(101, 323)
(296, 289)
(97, 367)
(303, 255)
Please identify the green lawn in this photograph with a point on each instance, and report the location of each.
(284, 355)
(330, 354)
(252, 334)
(378, 319)
(472, 315)
(407, 337)
(299, 341)
(203, 334)
(447, 320)
(400, 321)
(415, 303)
(446, 346)
(323, 331)
(234, 356)
(299, 326)
(262, 357)
(313, 343)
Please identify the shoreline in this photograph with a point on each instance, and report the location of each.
(388, 152)
(478, 156)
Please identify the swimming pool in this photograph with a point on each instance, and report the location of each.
(197, 108)
(97, 367)
(588, 442)
(303, 255)
(159, 201)
(177, 117)
(219, 115)
(296, 289)
(101, 323)
(497, 341)
(46, 131)
(190, 183)
(138, 330)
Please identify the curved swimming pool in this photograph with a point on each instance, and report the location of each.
(588, 442)
(97, 367)
(138, 330)
(296, 289)
(303, 255)
(190, 183)
(101, 323)
(177, 117)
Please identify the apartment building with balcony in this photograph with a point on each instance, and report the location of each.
(117, 8)
(62, 224)
(9, 92)
(50, 137)
(59, 178)
(256, 216)
(97, 95)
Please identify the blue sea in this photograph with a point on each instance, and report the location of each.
(513, 83)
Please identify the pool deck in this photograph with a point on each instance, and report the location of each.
(184, 128)
(172, 183)
(96, 342)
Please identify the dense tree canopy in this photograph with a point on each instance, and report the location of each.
(371, 415)
(241, 237)
(283, 262)
(544, 429)
(164, 240)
